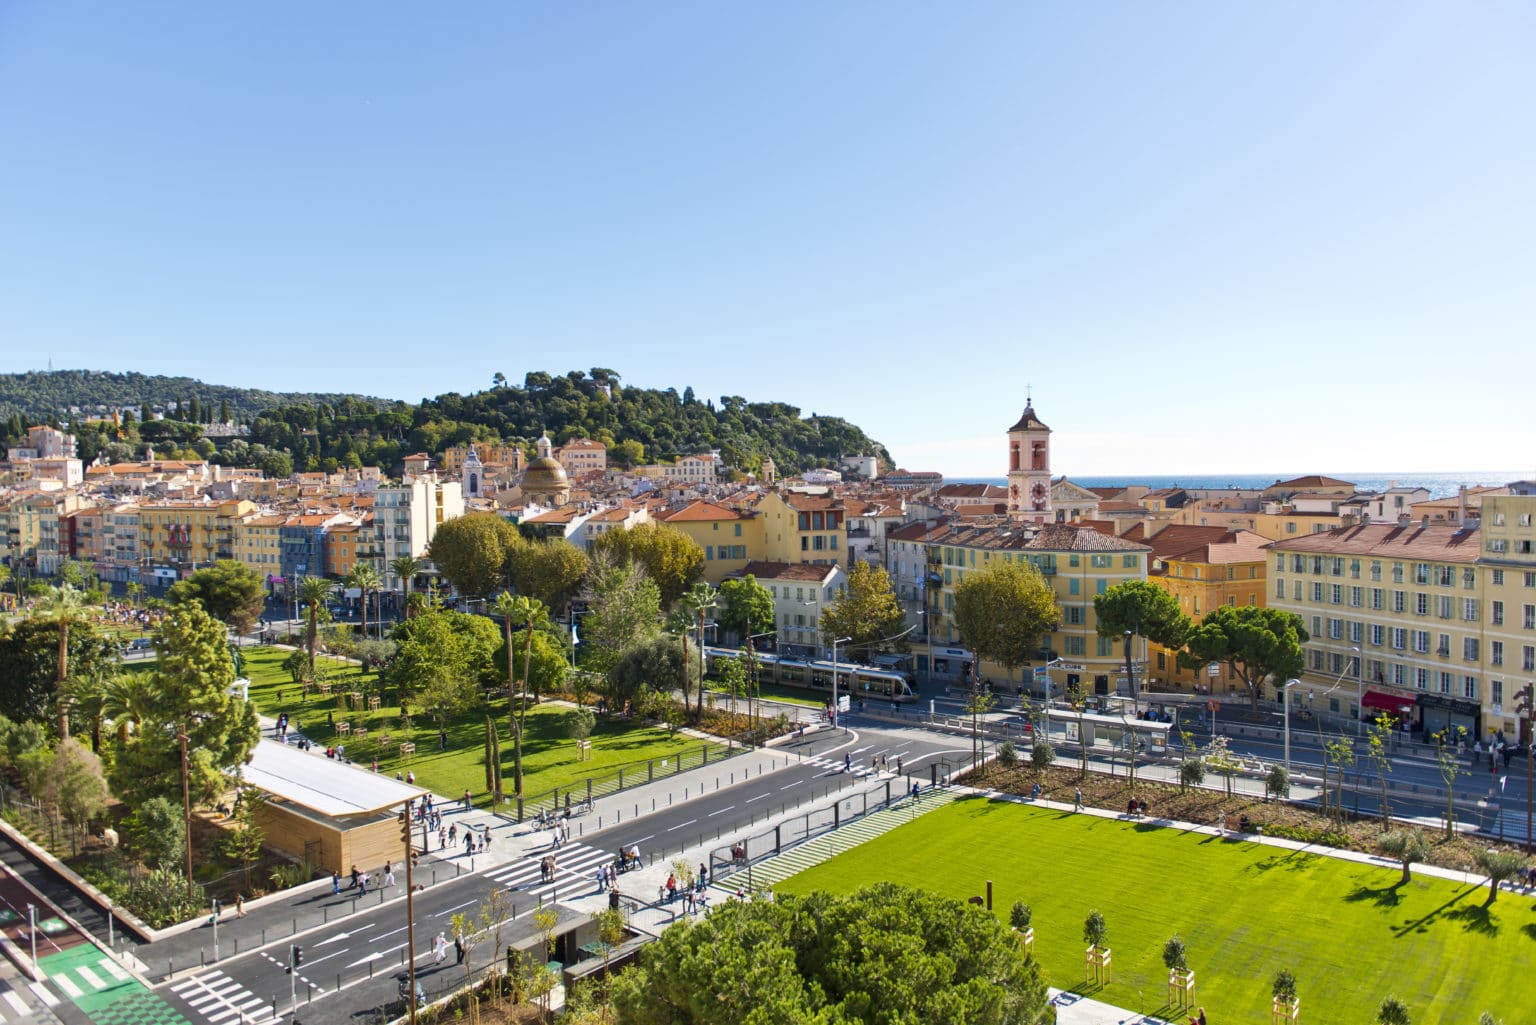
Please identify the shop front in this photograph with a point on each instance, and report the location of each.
(1441, 711)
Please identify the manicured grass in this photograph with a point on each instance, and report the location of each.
(549, 755)
(786, 695)
(1348, 931)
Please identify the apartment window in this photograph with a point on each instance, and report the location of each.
(1075, 645)
(1356, 597)
(1397, 572)
(833, 543)
(1336, 663)
(1399, 601)
(1469, 649)
(1421, 678)
(1296, 590)
(1528, 658)
(1354, 631)
(1469, 610)
(1378, 634)
(1447, 681)
(1421, 641)
(1317, 565)
(1130, 561)
(805, 543)
(1375, 669)
(1073, 561)
(1338, 567)
(1399, 675)
(1377, 596)
(1316, 658)
(1468, 578)
(1298, 563)
(1354, 569)
(1336, 594)
(1496, 691)
(1100, 561)
(1421, 573)
(1444, 606)
(1498, 578)
(1530, 579)
(1279, 562)
(1105, 647)
(1420, 603)
(1101, 586)
(1280, 589)
(1443, 649)
(1290, 528)
(1074, 586)
(1496, 613)
(1530, 617)
(1073, 615)
(738, 530)
(1317, 626)
(1317, 590)
(1496, 653)
(1375, 571)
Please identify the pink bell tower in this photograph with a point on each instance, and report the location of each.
(1029, 468)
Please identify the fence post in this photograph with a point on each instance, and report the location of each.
(837, 815)
(778, 844)
(589, 789)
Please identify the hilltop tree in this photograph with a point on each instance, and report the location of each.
(670, 558)
(866, 611)
(1258, 644)
(230, 591)
(1004, 613)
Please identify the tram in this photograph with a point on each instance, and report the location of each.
(875, 683)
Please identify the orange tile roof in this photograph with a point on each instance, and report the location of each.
(817, 572)
(1442, 542)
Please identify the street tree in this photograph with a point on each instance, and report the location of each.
(441, 659)
(579, 723)
(405, 567)
(1407, 846)
(471, 552)
(671, 558)
(231, 591)
(884, 954)
(157, 829)
(366, 578)
(549, 570)
(313, 593)
(1004, 613)
(1378, 752)
(1140, 608)
(1258, 644)
(697, 601)
(533, 615)
(1446, 746)
(746, 607)
(656, 665)
(624, 608)
(1392, 1012)
(866, 611)
(1498, 866)
(1339, 755)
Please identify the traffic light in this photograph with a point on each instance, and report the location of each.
(1524, 700)
(405, 829)
(297, 955)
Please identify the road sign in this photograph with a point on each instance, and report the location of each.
(1213, 670)
(842, 703)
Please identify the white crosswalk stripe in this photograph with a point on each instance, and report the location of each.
(220, 999)
(44, 994)
(575, 864)
(16, 1003)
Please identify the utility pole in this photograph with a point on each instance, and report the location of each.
(186, 802)
(410, 918)
(1526, 703)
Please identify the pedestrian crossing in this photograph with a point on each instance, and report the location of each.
(14, 1005)
(575, 867)
(220, 1000)
(853, 766)
(829, 845)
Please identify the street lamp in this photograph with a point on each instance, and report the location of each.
(1046, 669)
(835, 642)
(1285, 700)
(1359, 695)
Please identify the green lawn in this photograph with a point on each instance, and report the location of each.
(1348, 931)
(777, 692)
(549, 755)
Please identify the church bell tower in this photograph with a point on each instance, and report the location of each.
(1029, 468)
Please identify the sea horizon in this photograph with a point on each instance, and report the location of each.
(1440, 484)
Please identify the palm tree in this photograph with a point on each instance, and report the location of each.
(365, 578)
(405, 567)
(680, 621)
(534, 615)
(126, 700)
(65, 606)
(312, 594)
(698, 598)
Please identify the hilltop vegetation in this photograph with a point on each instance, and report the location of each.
(39, 395)
(321, 432)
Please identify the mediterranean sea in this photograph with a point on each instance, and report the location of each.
(1440, 485)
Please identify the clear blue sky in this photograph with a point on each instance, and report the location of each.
(1214, 237)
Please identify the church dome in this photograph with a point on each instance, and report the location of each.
(545, 474)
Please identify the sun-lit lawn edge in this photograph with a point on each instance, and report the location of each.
(1350, 933)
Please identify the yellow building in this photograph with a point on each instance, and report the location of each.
(1203, 567)
(1078, 561)
(802, 528)
(730, 538)
(1508, 565)
(175, 537)
(258, 544)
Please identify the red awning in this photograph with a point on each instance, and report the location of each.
(1390, 703)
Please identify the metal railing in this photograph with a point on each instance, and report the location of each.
(625, 777)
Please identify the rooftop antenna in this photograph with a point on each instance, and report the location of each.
(1027, 400)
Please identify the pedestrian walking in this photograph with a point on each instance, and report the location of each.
(239, 905)
(458, 949)
(389, 877)
(1077, 799)
(336, 883)
(466, 799)
(356, 875)
(439, 949)
(847, 763)
(453, 833)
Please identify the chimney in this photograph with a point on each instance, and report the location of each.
(1403, 519)
(1424, 523)
(1461, 504)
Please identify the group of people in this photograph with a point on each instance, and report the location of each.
(692, 890)
(361, 879)
(282, 727)
(1136, 808)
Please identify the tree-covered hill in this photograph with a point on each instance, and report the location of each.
(40, 395)
(323, 432)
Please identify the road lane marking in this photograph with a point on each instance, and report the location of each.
(680, 825)
(759, 797)
(722, 811)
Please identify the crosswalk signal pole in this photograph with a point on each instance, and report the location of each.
(32, 919)
(1527, 705)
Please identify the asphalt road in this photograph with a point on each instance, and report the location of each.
(341, 953)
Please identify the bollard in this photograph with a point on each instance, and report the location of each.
(653, 804)
(669, 798)
(325, 916)
(201, 963)
(170, 967)
(296, 924)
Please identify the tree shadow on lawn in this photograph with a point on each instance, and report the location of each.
(1381, 896)
(1291, 861)
(1423, 922)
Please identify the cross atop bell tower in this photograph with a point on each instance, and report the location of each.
(1029, 467)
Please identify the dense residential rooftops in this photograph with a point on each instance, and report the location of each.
(1439, 542)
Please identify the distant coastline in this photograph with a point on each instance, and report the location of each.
(1440, 485)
